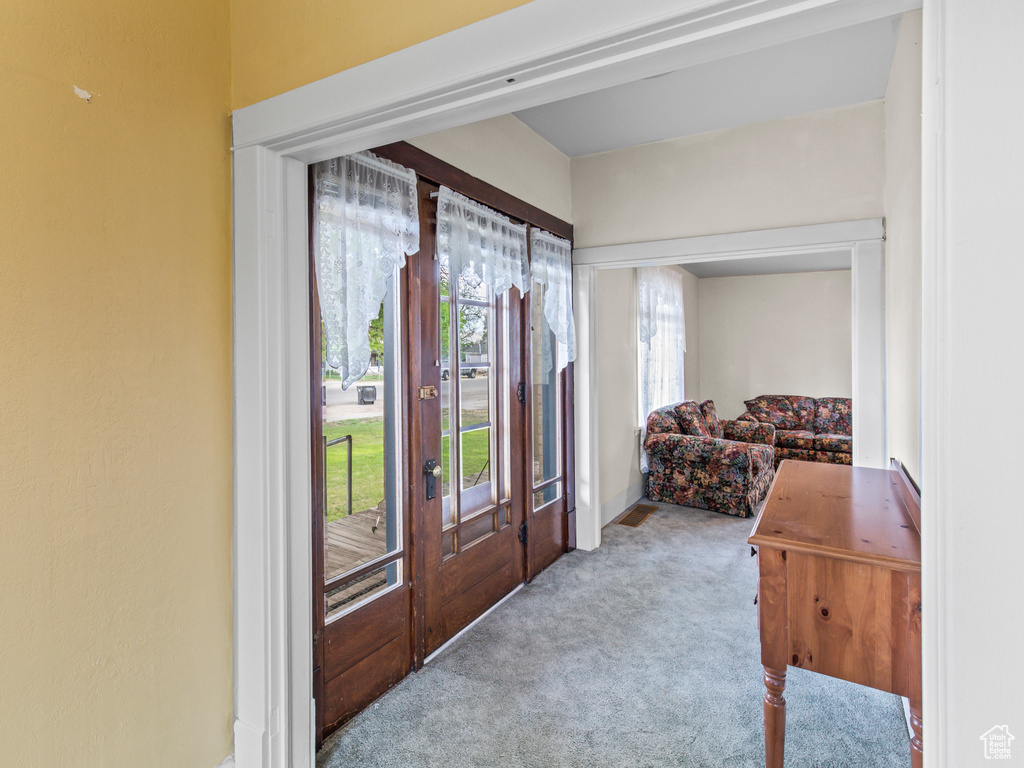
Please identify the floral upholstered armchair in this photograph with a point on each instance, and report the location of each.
(698, 460)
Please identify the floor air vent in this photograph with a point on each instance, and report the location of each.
(637, 515)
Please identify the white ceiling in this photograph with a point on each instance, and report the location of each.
(834, 69)
(819, 261)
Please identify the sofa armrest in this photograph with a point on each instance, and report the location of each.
(674, 448)
(749, 431)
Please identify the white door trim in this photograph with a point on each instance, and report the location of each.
(551, 50)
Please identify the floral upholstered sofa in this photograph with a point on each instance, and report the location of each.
(699, 461)
(806, 428)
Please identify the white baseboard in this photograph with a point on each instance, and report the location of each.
(616, 506)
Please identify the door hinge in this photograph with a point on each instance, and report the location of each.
(521, 392)
(523, 534)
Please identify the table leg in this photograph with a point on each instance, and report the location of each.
(914, 644)
(916, 742)
(774, 717)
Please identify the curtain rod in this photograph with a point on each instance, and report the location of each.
(435, 195)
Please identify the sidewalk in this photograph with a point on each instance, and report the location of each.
(343, 405)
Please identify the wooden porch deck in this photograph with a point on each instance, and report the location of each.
(351, 541)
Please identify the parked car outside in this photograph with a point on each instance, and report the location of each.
(468, 373)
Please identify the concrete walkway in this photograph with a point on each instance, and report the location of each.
(343, 405)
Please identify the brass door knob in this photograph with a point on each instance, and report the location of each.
(436, 471)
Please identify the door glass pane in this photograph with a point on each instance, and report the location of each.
(351, 593)
(361, 517)
(476, 458)
(548, 494)
(546, 394)
(475, 321)
(447, 513)
(475, 530)
(445, 332)
(475, 401)
(474, 337)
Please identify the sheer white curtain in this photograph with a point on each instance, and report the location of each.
(365, 220)
(552, 268)
(480, 245)
(662, 331)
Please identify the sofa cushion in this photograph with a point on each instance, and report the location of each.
(835, 443)
(799, 454)
(662, 421)
(833, 416)
(784, 411)
(833, 457)
(691, 421)
(711, 421)
(794, 438)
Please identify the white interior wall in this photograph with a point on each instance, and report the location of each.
(903, 245)
(811, 169)
(817, 168)
(619, 444)
(619, 417)
(504, 152)
(775, 335)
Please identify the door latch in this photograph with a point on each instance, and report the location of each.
(432, 472)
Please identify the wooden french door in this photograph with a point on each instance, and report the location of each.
(470, 504)
(549, 476)
(362, 601)
(442, 478)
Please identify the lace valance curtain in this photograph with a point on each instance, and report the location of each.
(480, 245)
(662, 332)
(365, 220)
(552, 268)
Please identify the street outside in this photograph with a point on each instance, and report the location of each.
(342, 405)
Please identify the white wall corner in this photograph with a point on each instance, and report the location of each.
(227, 762)
(588, 492)
(869, 379)
(615, 507)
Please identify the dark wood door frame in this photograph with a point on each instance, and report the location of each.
(435, 170)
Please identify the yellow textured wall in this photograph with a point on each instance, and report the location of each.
(115, 355)
(115, 384)
(278, 45)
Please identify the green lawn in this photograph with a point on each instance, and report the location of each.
(367, 466)
(368, 463)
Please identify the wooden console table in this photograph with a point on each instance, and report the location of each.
(840, 585)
